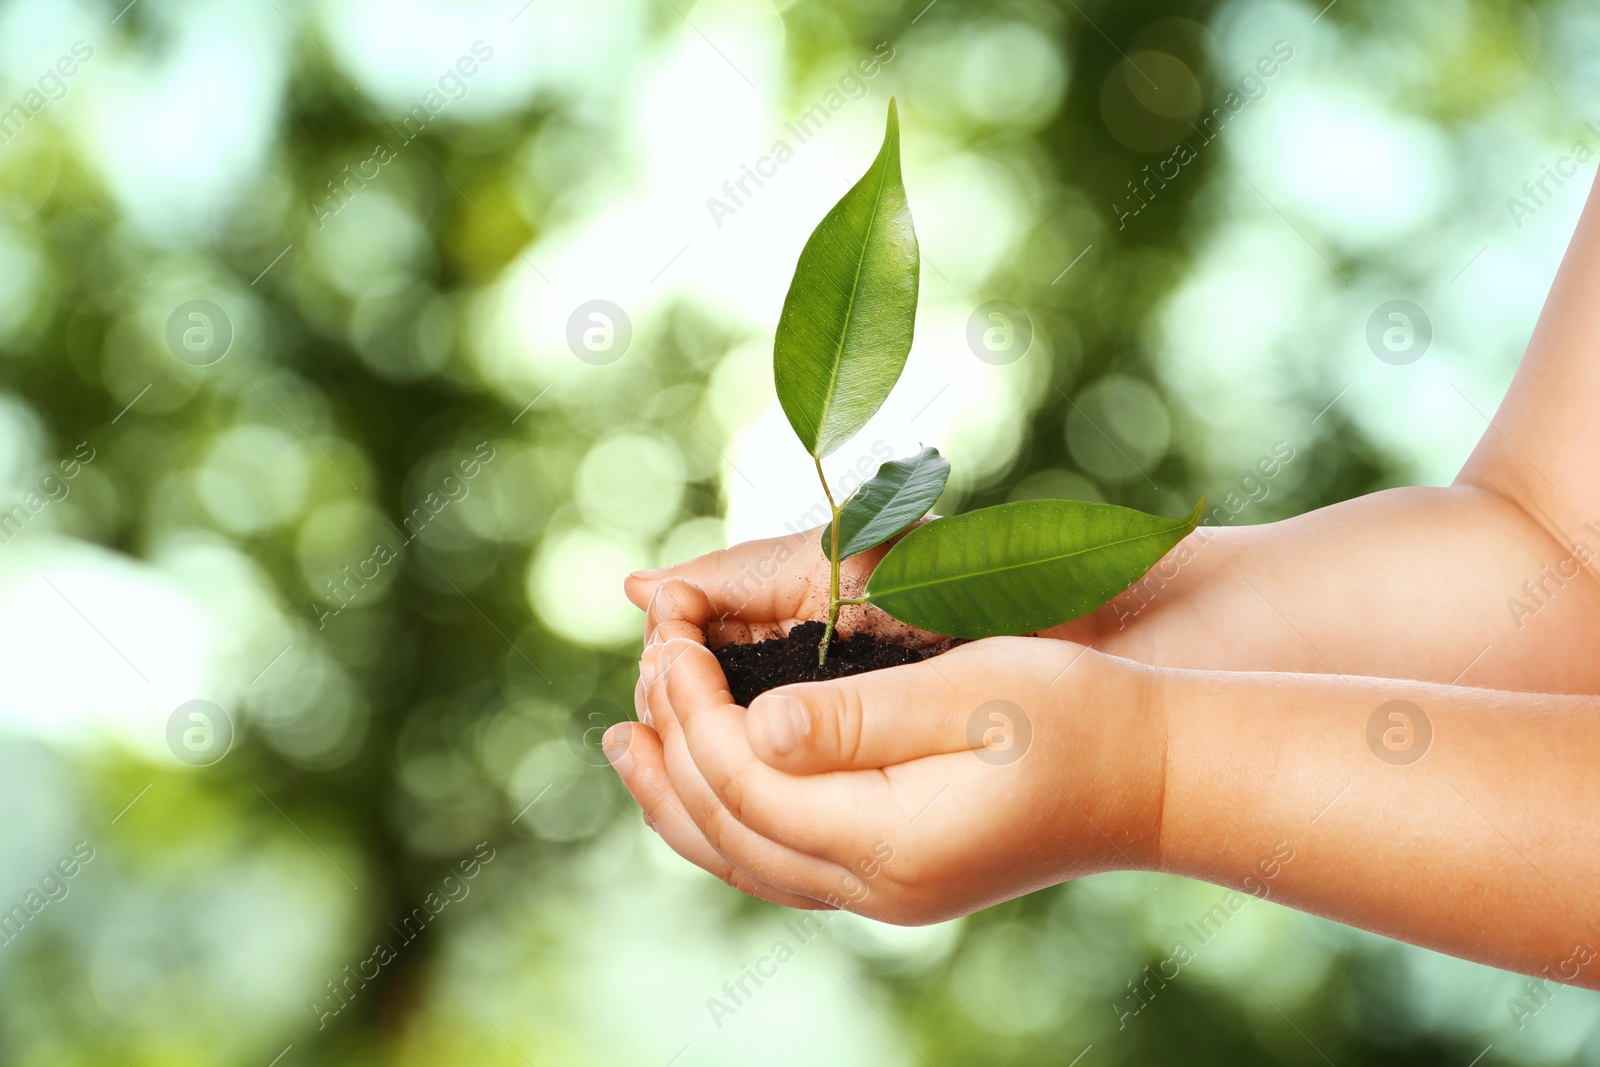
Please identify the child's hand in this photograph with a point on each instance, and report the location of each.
(761, 589)
(912, 794)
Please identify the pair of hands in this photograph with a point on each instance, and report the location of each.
(1273, 653)
(909, 795)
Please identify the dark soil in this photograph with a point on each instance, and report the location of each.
(754, 668)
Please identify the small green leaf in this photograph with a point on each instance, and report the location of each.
(1016, 568)
(898, 495)
(846, 325)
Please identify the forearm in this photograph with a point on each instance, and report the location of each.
(1484, 847)
(1445, 585)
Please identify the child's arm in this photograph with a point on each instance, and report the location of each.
(1453, 585)
(1461, 820)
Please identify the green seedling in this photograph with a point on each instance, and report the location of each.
(842, 342)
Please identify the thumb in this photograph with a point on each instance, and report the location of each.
(865, 721)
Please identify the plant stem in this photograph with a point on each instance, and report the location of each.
(833, 571)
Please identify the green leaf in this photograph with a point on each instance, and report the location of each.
(898, 495)
(1016, 568)
(846, 325)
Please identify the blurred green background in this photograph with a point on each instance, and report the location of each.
(370, 500)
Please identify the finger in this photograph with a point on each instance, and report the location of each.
(677, 608)
(641, 709)
(762, 858)
(635, 753)
(823, 816)
(881, 718)
(756, 578)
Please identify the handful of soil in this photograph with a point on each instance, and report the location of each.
(758, 666)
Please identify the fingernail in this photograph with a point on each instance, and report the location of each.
(615, 748)
(788, 725)
(653, 638)
(655, 573)
(648, 821)
(650, 665)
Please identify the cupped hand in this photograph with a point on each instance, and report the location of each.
(762, 589)
(911, 794)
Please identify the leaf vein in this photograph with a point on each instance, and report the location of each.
(855, 287)
(1019, 566)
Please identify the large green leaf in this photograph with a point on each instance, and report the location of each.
(846, 324)
(1016, 568)
(898, 495)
